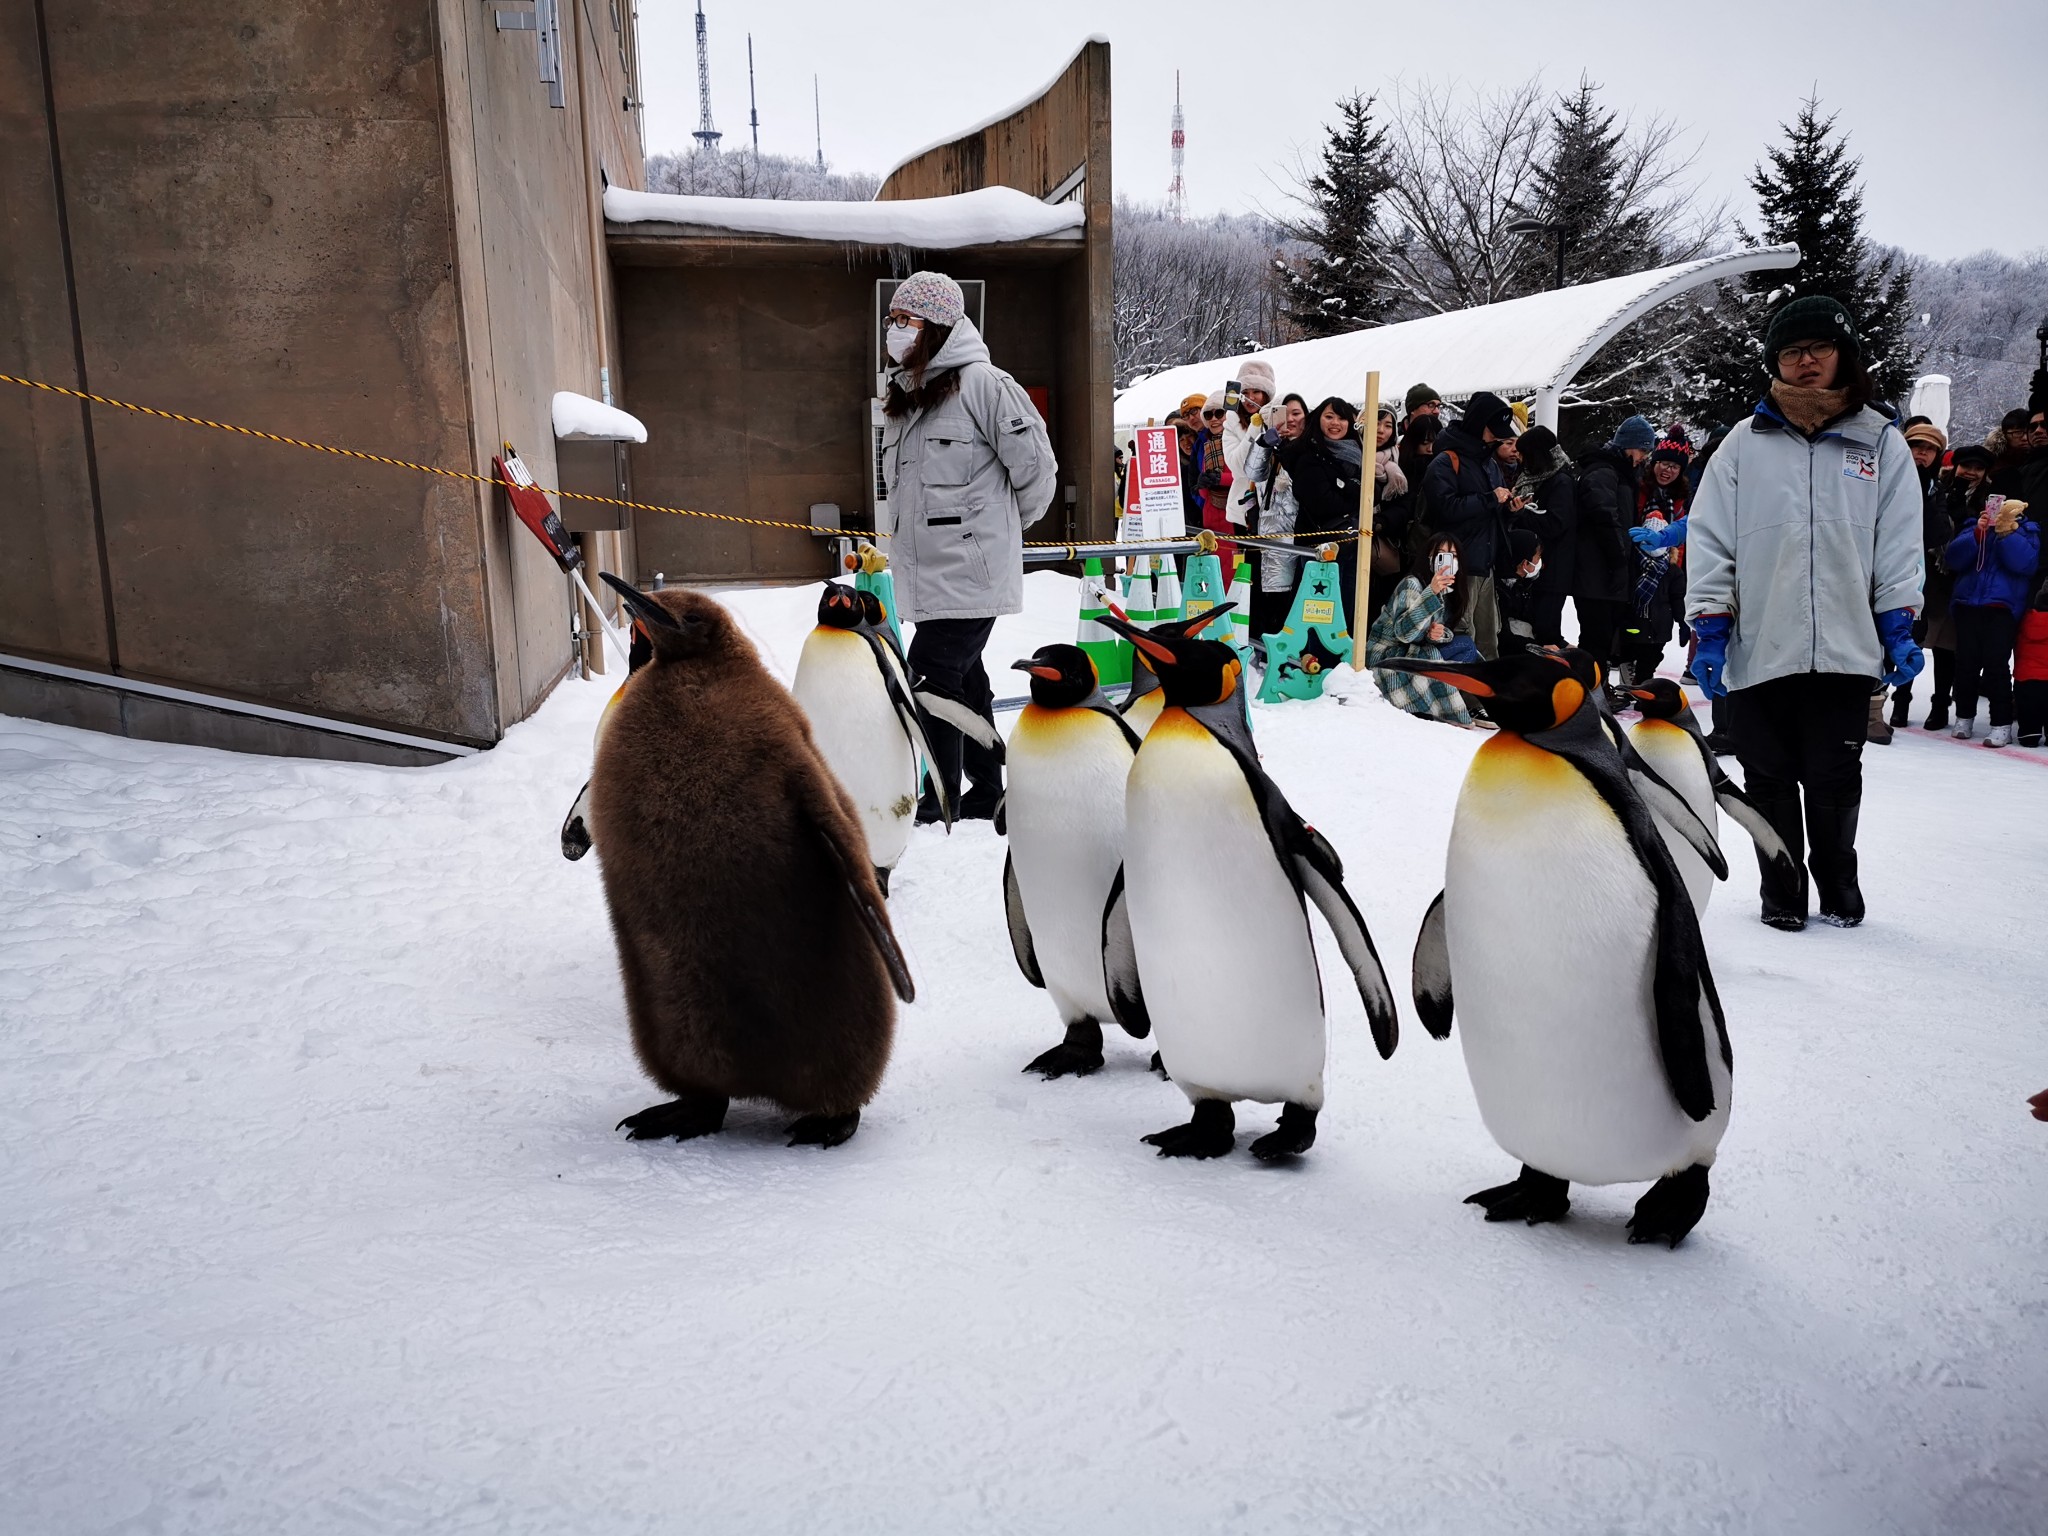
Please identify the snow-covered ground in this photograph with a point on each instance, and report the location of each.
(312, 1216)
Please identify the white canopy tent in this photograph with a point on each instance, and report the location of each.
(1518, 349)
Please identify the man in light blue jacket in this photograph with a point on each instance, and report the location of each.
(1804, 572)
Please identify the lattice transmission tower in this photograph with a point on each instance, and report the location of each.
(705, 135)
(1177, 192)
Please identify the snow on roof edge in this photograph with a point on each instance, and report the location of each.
(580, 418)
(989, 122)
(989, 216)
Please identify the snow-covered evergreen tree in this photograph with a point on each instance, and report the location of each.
(1807, 192)
(1337, 287)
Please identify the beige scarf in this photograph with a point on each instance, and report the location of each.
(1808, 409)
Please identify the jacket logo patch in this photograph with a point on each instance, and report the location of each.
(1859, 464)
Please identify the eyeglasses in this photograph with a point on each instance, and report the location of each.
(1815, 351)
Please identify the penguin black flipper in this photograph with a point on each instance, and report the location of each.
(1020, 927)
(1682, 977)
(961, 718)
(576, 825)
(1431, 972)
(1120, 963)
(1730, 797)
(858, 879)
(1668, 805)
(906, 714)
(1318, 871)
(1312, 867)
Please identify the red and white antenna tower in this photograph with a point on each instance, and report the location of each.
(1177, 193)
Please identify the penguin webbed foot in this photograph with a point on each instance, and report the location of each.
(1079, 1054)
(1212, 1132)
(682, 1119)
(1533, 1197)
(1671, 1207)
(824, 1130)
(1295, 1134)
(1158, 1064)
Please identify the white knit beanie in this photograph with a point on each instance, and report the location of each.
(931, 296)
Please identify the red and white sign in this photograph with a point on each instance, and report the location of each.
(1155, 471)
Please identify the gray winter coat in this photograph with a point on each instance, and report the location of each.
(965, 478)
(1804, 542)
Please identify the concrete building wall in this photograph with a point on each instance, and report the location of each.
(50, 597)
(353, 221)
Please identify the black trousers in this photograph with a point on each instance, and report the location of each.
(2031, 698)
(1600, 626)
(1943, 666)
(1546, 616)
(1801, 737)
(1984, 634)
(945, 658)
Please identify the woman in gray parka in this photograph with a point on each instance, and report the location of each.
(969, 467)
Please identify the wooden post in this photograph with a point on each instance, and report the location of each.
(1369, 436)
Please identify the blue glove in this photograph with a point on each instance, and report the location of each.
(1895, 629)
(1673, 534)
(1711, 659)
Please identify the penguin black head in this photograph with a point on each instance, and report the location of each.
(677, 625)
(1061, 676)
(840, 607)
(1527, 692)
(1661, 698)
(872, 610)
(1192, 672)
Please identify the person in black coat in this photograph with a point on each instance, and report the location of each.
(1603, 589)
(1550, 510)
(1463, 496)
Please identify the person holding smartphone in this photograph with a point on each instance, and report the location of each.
(1465, 495)
(1420, 622)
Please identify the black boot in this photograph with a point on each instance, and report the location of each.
(1783, 888)
(1902, 701)
(1831, 832)
(947, 743)
(1937, 715)
(985, 772)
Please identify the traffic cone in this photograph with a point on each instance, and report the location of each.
(1111, 656)
(1140, 599)
(1166, 599)
(1205, 582)
(1241, 616)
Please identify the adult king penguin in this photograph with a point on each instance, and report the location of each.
(854, 687)
(1242, 1021)
(1670, 740)
(1069, 757)
(1592, 1032)
(1141, 706)
(756, 951)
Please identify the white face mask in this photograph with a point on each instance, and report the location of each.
(899, 339)
(1535, 569)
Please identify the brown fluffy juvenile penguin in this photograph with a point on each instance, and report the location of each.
(756, 951)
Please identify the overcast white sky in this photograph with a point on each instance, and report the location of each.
(1946, 100)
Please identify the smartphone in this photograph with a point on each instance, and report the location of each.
(1444, 561)
(1233, 394)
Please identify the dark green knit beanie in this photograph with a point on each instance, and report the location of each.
(1814, 317)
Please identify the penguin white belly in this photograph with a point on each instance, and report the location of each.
(841, 689)
(1240, 1018)
(1550, 923)
(1067, 769)
(1671, 750)
(1139, 716)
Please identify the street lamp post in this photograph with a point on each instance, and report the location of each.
(1542, 227)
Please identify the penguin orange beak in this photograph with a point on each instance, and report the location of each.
(1641, 693)
(1459, 674)
(1037, 669)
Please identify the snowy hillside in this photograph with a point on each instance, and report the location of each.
(313, 1217)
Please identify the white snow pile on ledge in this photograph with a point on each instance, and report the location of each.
(579, 416)
(991, 216)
